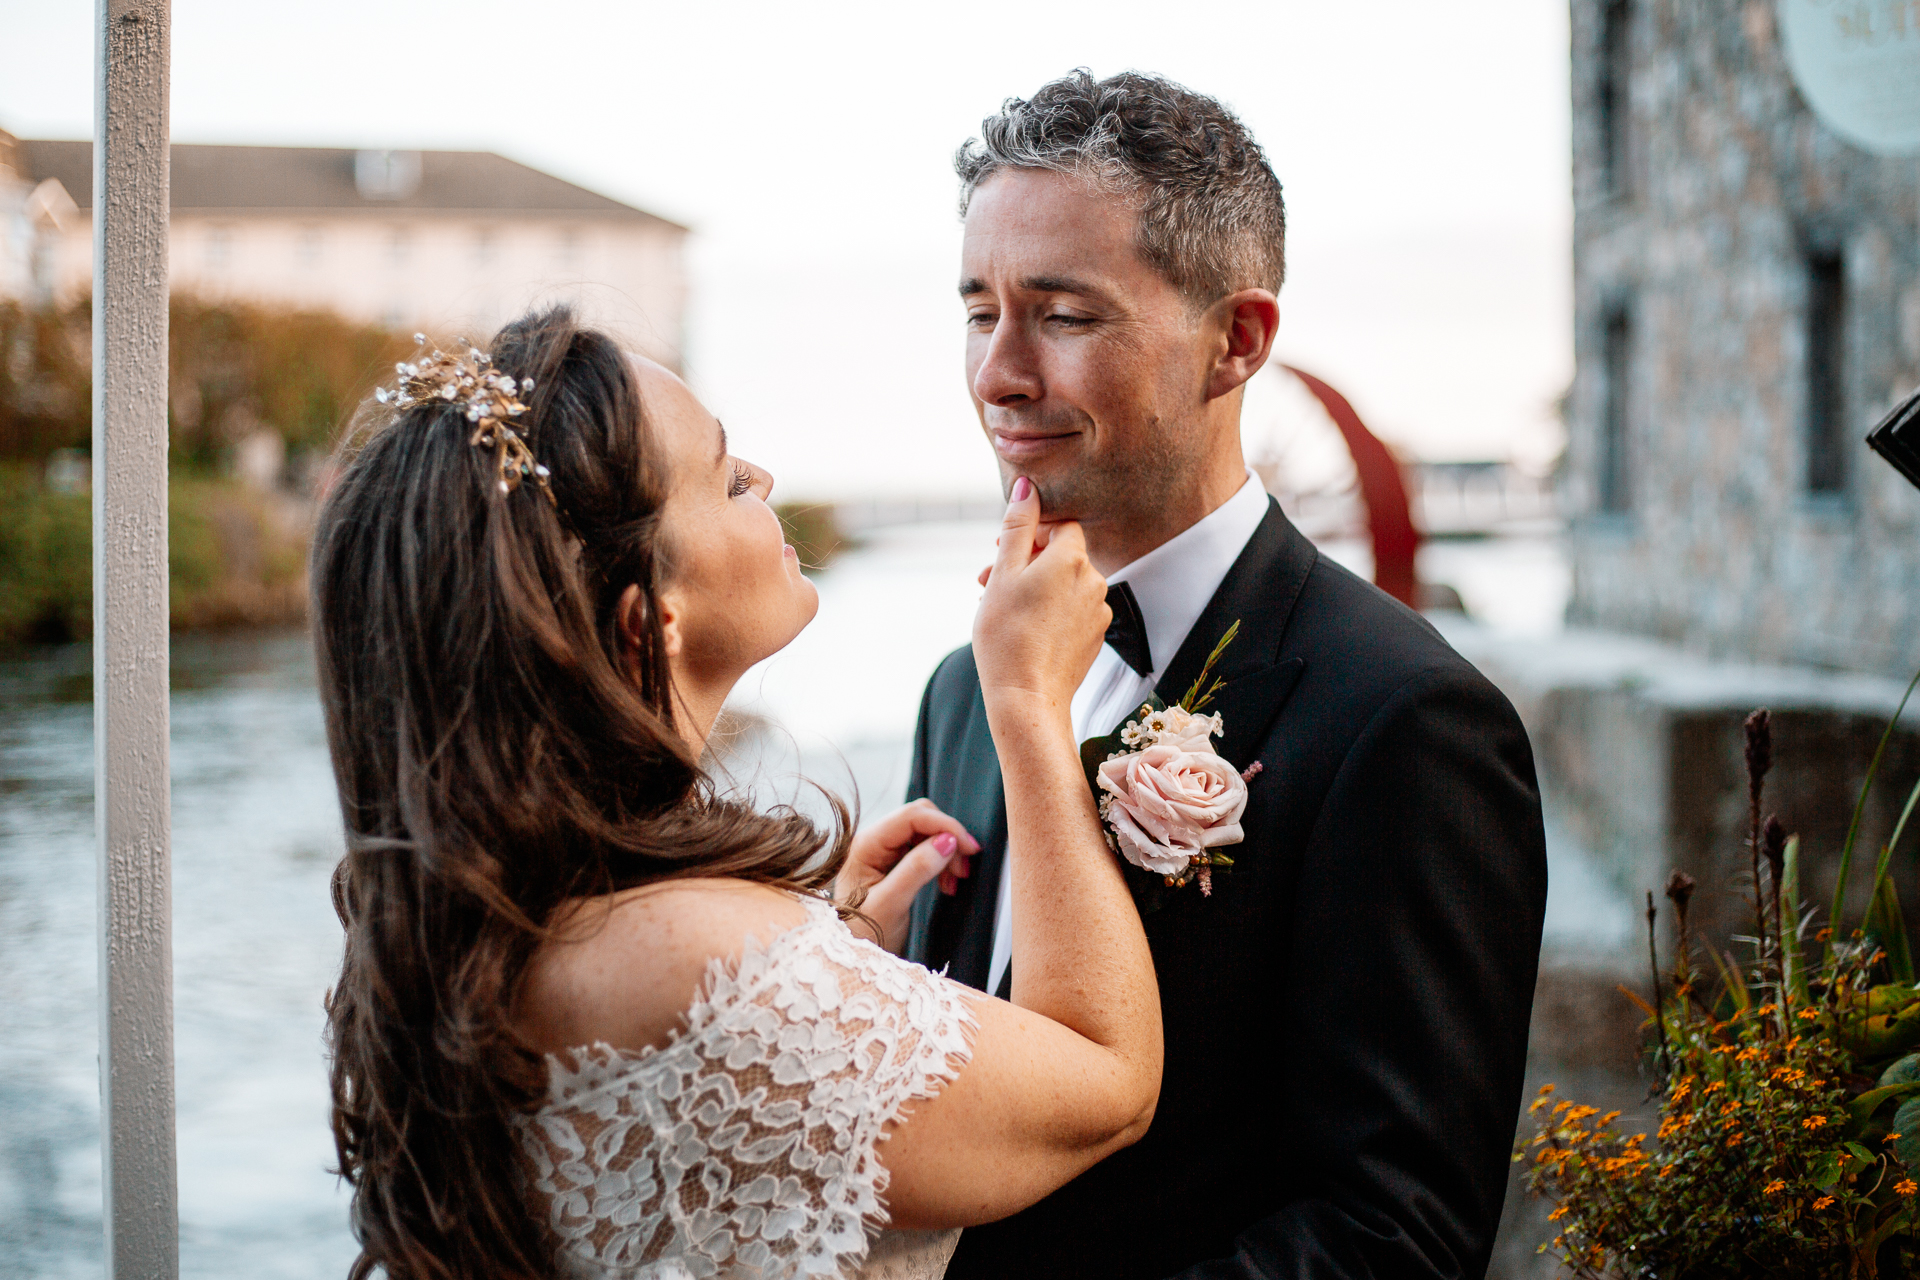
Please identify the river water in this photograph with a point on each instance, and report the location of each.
(255, 836)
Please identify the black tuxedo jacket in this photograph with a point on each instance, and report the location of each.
(1346, 1017)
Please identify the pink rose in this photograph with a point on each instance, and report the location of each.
(1168, 804)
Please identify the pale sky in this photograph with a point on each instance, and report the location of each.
(1423, 149)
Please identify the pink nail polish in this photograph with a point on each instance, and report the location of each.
(944, 844)
(1022, 489)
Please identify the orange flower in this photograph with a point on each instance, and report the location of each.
(1775, 1187)
(1808, 1014)
(1822, 1203)
(1906, 1187)
(1813, 1122)
(1766, 1009)
(1557, 1214)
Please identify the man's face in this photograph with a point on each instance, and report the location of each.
(1085, 366)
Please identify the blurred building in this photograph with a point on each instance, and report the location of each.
(429, 239)
(1747, 295)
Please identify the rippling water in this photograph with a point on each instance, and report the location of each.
(255, 837)
(256, 833)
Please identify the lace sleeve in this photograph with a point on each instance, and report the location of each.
(747, 1145)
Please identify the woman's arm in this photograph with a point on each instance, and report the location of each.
(1069, 1071)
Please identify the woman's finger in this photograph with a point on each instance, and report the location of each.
(893, 896)
(1017, 527)
(918, 820)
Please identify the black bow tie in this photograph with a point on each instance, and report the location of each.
(1127, 636)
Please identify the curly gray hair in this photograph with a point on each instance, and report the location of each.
(1211, 217)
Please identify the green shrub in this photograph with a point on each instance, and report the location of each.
(46, 568)
(232, 558)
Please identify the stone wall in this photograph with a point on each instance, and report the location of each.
(1701, 234)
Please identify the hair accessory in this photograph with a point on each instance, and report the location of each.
(488, 397)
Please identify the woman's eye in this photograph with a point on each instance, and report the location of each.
(742, 481)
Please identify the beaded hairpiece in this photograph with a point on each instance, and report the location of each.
(488, 397)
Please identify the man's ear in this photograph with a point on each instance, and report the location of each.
(632, 613)
(1246, 323)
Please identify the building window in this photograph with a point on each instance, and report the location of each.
(399, 246)
(1826, 411)
(219, 247)
(1617, 355)
(1615, 103)
(308, 246)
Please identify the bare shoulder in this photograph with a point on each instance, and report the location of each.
(622, 969)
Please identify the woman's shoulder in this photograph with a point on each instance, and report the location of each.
(623, 970)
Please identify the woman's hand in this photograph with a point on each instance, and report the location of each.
(1044, 614)
(894, 857)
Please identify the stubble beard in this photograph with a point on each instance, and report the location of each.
(1125, 485)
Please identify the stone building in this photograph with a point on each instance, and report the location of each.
(1747, 291)
(443, 240)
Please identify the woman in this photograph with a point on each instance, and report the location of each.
(596, 1019)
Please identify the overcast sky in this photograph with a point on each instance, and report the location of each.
(1423, 148)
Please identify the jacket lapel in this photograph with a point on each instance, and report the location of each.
(1259, 593)
(956, 931)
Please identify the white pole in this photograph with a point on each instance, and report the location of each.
(132, 809)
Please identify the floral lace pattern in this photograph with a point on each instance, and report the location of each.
(746, 1146)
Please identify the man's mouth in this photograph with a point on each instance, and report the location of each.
(1015, 446)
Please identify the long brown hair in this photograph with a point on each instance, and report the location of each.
(500, 750)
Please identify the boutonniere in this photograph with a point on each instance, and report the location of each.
(1168, 802)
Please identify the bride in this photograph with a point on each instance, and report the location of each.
(597, 1019)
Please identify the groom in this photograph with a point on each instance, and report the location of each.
(1346, 1015)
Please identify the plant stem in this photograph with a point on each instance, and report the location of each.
(1859, 806)
(1659, 1017)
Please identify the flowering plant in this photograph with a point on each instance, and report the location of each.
(1789, 1137)
(1168, 802)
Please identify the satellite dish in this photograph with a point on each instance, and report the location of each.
(1858, 63)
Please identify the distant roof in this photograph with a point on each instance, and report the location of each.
(252, 180)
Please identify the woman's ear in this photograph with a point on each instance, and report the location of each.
(632, 612)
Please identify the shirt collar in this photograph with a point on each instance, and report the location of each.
(1173, 582)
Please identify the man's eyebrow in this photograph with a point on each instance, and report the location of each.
(1040, 284)
(1061, 284)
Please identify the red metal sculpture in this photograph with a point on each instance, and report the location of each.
(1389, 514)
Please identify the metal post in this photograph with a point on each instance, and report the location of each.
(132, 808)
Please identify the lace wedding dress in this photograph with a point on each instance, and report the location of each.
(745, 1148)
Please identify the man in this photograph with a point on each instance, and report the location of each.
(1346, 1014)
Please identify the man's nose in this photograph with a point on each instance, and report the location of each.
(1009, 373)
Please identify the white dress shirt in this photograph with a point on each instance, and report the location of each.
(1172, 584)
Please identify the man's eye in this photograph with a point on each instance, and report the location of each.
(981, 319)
(1069, 321)
(742, 481)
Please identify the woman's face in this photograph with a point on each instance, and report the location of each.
(735, 592)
